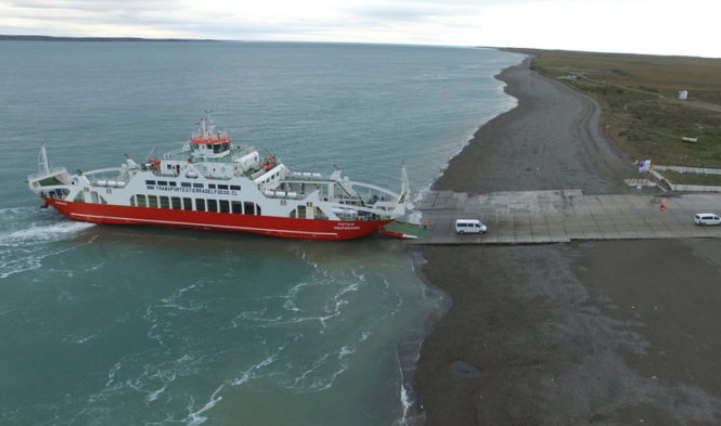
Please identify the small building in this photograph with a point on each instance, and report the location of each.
(682, 95)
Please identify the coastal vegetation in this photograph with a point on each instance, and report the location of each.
(639, 95)
(692, 178)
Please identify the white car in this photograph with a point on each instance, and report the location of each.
(704, 219)
(470, 226)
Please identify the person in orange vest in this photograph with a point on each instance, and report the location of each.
(425, 224)
(663, 205)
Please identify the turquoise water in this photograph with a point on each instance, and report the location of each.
(114, 326)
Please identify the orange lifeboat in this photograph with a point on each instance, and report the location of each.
(268, 163)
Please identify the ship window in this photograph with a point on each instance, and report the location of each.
(235, 187)
(150, 182)
(185, 184)
(212, 205)
(172, 183)
(257, 210)
(176, 203)
(132, 201)
(141, 200)
(197, 185)
(224, 206)
(223, 187)
(162, 183)
(209, 146)
(237, 207)
(164, 202)
(211, 186)
(249, 207)
(187, 204)
(153, 201)
(200, 204)
(301, 212)
(293, 213)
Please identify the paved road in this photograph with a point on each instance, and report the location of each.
(542, 217)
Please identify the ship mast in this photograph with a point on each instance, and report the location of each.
(43, 166)
(405, 186)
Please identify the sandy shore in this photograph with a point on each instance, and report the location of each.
(587, 333)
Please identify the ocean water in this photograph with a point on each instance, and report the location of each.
(107, 325)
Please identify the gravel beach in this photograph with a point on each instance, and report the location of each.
(615, 332)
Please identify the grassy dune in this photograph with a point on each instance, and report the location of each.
(639, 97)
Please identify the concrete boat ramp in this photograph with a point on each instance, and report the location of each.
(547, 217)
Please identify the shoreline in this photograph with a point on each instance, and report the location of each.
(567, 334)
(430, 184)
(551, 139)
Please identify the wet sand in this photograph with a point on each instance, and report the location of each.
(620, 332)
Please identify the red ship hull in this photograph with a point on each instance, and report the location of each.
(265, 225)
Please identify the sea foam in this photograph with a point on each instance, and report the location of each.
(42, 233)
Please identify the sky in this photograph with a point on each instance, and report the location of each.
(664, 27)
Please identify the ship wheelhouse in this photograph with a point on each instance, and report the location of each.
(206, 142)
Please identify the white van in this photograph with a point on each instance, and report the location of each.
(470, 226)
(703, 219)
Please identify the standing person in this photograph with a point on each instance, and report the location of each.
(663, 205)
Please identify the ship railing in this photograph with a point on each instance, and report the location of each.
(363, 214)
(367, 195)
(307, 181)
(306, 177)
(112, 177)
(257, 174)
(93, 174)
(51, 171)
(369, 188)
(176, 152)
(227, 158)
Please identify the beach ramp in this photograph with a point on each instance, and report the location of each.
(404, 230)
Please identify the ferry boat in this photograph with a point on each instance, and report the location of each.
(208, 183)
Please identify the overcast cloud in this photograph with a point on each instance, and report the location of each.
(635, 26)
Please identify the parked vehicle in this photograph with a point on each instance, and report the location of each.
(705, 219)
(470, 226)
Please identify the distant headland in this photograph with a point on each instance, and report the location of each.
(112, 39)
